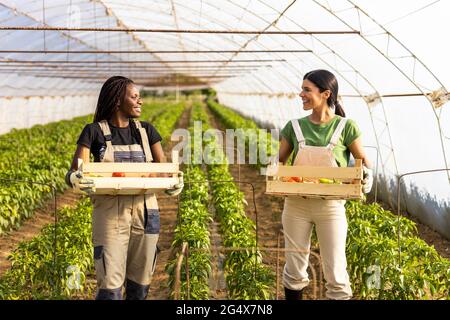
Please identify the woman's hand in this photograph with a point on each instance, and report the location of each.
(285, 151)
(367, 181)
(357, 151)
(79, 183)
(176, 190)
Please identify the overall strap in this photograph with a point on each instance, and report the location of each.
(106, 133)
(144, 139)
(337, 133)
(298, 133)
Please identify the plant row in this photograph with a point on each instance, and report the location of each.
(246, 275)
(41, 154)
(55, 263)
(248, 129)
(192, 227)
(382, 268)
(165, 122)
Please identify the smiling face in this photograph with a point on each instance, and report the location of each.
(131, 106)
(312, 97)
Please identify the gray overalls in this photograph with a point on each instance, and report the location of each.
(125, 229)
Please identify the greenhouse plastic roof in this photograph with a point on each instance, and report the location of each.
(390, 58)
(372, 60)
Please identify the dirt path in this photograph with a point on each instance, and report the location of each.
(217, 283)
(168, 207)
(33, 226)
(432, 237)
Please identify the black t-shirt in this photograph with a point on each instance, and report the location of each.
(92, 137)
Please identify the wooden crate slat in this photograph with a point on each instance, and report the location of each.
(132, 186)
(129, 192)
(315, 172)
(127, 175)
(314, 188)
(99, 167)
(134, 183)
(316, 196)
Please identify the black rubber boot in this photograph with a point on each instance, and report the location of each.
(293, 294)
(109, 294)
(136, 291)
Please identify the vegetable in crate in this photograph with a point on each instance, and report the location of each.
(118, 174)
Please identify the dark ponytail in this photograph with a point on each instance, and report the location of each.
(112, 93)
(325, 80)
(338, 109)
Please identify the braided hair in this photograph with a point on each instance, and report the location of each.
(325, 80)
(112, 93)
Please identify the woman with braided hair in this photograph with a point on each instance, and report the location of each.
(125, 228)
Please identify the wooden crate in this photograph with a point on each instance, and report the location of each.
(136, 180)
(350, 177)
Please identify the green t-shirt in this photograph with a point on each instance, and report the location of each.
(320, 135)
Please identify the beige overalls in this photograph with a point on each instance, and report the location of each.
(298, 218)
(125, 229)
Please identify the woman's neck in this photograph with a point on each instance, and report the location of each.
(321, 115)
(119, 120)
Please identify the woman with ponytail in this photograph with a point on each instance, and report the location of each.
(324, 138)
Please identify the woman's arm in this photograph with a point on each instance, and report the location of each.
(158, 153)
(81, 152)
(357, 151)
(285, 150)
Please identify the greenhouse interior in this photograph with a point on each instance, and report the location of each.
(219, 221)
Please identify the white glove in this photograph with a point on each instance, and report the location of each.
(81, 184)
(176, 190)
(367, 181)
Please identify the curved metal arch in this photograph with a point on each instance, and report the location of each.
(255, 76)
(227, 26)
(134, 36)
(218, 23)
(403, 72)
(32, 18)
(287, 80)
(294, 39)
(64, 34)
(278, 73)
(80, 40)
(205, 15)
(160, 13)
